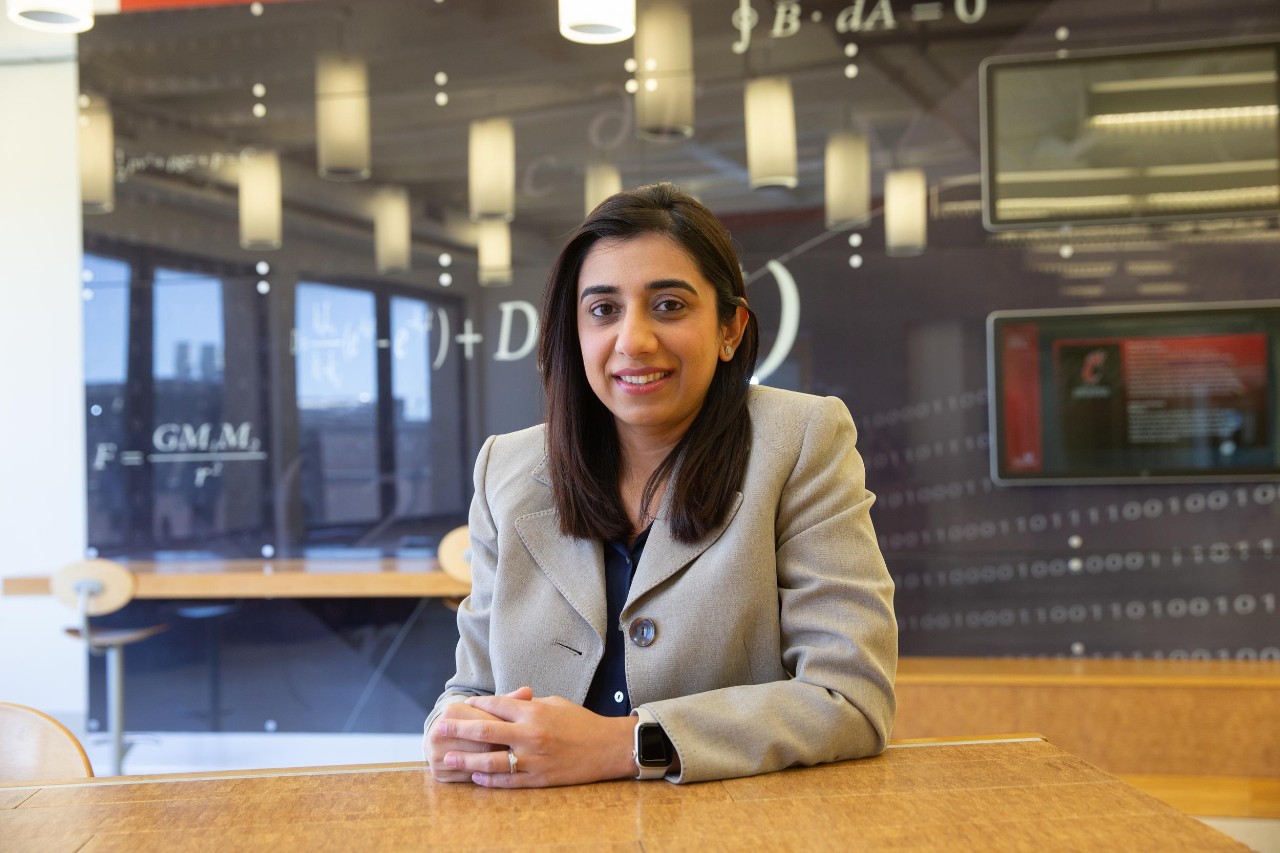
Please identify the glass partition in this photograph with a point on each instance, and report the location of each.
(372, 348)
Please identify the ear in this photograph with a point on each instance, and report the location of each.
(731, 332)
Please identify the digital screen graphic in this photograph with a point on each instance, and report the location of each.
(1135, 394)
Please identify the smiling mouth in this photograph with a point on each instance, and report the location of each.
(644, 379)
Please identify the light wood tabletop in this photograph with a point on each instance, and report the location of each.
(990, 795)
(386, 577)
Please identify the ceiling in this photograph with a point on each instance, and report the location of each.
(180, 85)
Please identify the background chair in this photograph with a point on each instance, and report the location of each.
(36, 747)
(93, 588)
(454, 557)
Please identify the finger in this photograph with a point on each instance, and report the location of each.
(478, 731)
(450, 776)
(506, 708)
(503, 780)
(525, 693)
(479, 762)
(443, 747)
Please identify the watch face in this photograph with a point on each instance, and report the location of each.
(655, 749)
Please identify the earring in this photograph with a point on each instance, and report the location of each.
(728, 350)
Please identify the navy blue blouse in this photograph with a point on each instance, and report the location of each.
(608, 694)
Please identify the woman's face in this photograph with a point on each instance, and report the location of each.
(650, 334)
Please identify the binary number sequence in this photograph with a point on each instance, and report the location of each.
(1136, 610)
(1192, 503)
(927, 408)
(931, 450)
(935, 493)
(1215, 553)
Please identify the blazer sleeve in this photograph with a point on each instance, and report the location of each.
(473, 675)
(839, 637)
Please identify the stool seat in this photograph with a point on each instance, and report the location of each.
(95, 588)
(454, 557)
(35, 747)
(101, 638)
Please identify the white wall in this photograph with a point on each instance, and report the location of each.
(42, 440)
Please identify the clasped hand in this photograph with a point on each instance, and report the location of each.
(555, 741)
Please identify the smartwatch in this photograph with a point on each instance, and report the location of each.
(654, 753)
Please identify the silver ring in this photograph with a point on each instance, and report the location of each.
(512, 760)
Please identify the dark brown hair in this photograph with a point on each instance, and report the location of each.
(582, 443)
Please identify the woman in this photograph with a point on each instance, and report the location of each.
(677, 575)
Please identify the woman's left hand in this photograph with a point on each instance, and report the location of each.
(555, 743)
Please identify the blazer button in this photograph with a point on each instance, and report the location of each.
(642, 631)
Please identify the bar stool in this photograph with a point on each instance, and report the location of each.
(454, 556)
(95, 588)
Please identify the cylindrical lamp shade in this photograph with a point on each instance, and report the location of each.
(342, 117)
(494, 252)
(260, 207)
(491, 169)
(97, 157)
(771, 132)
(52, 16)
(391, 230)
(664, 71)
(848, 180)
(597, 21)
(906, 212)
(603, 180)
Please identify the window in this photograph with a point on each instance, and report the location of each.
(337, 381)
(106, 353)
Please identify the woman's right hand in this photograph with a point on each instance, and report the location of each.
(438, 744)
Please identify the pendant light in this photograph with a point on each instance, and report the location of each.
(260, 207)
(391, 229)
(597, 21)
(491, 169)
(603, 180)
(905, 212)
(52, 16)
(848, 180)
(494, 251)
(771, 132)
(342, 117)
(664, 71)
(97, 156)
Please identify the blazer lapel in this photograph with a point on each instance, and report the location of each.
(664, 555)
(574, 566)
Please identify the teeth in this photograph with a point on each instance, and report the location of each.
(642, 380)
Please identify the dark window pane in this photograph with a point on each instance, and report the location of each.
(106, 345)
(206, 448)
(411, 338)
(337, 404)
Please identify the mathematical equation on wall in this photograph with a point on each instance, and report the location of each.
(324, 346)
(209, 446)
(861, 16)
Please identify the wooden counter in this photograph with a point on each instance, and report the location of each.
(1200, 734)
(992, 795)
(285, 578)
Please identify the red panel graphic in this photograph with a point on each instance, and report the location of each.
(1020, 352)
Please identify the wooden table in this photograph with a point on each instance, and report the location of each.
(284, 578)
(1158, 724)
(990, 795)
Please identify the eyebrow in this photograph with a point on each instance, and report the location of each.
(660, 284)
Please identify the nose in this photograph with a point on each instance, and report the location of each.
(636, 336)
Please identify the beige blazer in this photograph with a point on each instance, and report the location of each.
(776, 643)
